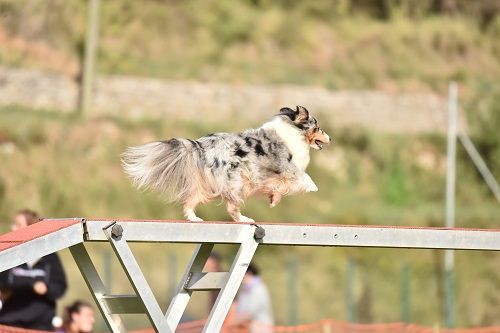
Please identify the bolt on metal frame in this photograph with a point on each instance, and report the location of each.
(119, 233)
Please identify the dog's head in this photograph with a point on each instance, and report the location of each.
(308, 125)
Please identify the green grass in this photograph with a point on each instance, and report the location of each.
(268, 43)
(68, 166)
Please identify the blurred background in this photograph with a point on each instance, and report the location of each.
(375, 73)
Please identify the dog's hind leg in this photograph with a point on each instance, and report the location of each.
(274, 199)
(188, 210)
(234, 211)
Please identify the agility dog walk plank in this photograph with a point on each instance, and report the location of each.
(49, 236)
(173, 231)
(38, 240)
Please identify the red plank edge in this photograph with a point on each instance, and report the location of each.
(34, 231)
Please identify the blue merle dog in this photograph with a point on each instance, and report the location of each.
(270, 160)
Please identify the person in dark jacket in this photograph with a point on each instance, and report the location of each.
(28, 292)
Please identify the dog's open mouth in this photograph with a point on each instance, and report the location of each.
(319, 144)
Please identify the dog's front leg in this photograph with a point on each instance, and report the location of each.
(234, 211)
(304, 184)
(308, 184)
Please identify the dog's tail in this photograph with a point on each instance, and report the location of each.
(169, 167)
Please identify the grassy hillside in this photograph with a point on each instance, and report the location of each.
(351, 44)
(66, 166)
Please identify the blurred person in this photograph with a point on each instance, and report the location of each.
(253, 303)
(78, 318)
(213, 264)
(29, 291)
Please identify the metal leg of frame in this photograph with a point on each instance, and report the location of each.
(137, 280)
(94, 283)
(228, 292)
(182, 295)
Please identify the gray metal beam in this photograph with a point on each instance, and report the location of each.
(175, 232)
(392, 237)
(123, 304)
(206, 281)
(305, 235)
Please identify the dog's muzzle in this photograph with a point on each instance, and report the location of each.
(318, 143)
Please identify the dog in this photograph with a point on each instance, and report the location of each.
(270, 160)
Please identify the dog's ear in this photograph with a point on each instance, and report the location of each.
(301, 114)
(288, 112)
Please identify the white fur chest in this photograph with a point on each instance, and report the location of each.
(294, 141)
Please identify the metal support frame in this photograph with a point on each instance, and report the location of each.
(249, 236)
(144, 294)
(95, 285)
(194, 279)
(228, 292)
(119, 233)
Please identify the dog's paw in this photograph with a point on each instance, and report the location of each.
(311, 187)
(309, 184)
(245, 219)
(195, 219)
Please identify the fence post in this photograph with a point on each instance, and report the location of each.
(292, 287)
(450, 200)
(350, 303)
(89, 55)
(405, 294)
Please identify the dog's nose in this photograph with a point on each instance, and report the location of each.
(329, 139)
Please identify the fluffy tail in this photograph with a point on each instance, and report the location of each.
(167, 166)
